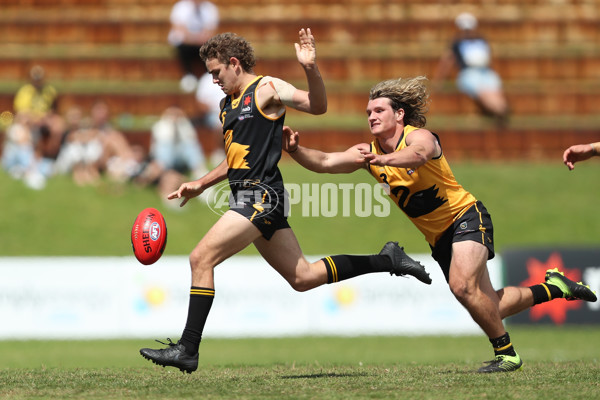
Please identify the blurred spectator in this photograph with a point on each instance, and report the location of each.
(36, 102)
(119, 160)
(93, 147)
(174, 153)
(18, 156)
(47, 149)
(81, 151)
(208, 97)
(193, 22)
(33, 140)
(471, 54)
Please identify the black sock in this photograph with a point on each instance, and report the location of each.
(543, 293)
(503, 346)
(345, 267)
(201, 300)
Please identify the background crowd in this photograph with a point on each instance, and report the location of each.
(40, 142)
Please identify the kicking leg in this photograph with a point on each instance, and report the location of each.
(230, 234)
(283, 253)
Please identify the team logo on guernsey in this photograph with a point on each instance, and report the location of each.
(246, 111)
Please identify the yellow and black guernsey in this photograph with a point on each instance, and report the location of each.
(253, 150)
(429, 195)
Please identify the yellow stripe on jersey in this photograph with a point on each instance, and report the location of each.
(203, 292)
(334, 273)
(429, 195)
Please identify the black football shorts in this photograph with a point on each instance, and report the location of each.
(476, 225)
(266, 209)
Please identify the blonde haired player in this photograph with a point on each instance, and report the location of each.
(408, 160)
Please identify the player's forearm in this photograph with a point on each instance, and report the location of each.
(316, 90)
(311, 159)
(329, 163)
(218, 174)
(407, 158)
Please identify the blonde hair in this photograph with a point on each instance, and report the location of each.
(409, 94)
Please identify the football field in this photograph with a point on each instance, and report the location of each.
(534, 204)
(559, 363)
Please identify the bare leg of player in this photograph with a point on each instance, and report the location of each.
(230, 234)
(283, 253)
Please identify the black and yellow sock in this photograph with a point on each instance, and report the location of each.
(503, 346)
(201, 300)
(343, 266)
(544, 292)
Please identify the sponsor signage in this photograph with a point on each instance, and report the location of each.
(112, 297)
(528, 266)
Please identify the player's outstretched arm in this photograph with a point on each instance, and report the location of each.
(319, 161)
(421, 147)
(580, 152)
(189, 190)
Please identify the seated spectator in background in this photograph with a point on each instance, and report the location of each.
(92, 147)
(471, 54)
(47, 149)
(119, 160)
(208, 98)
(18, 154)
(36, 102)
(33, 140)
(81, 151)
(18, 150)
(193, 22)
(175, 152)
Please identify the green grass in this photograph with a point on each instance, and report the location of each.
(560, 363)
(531, 205)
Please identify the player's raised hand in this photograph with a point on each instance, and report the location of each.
(290, 140)
(306, 50)
(187, 190)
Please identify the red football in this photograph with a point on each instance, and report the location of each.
(149, 236)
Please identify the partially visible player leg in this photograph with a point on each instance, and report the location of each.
(556, 286)
(230, 234)
(283, 253)
(569, 289)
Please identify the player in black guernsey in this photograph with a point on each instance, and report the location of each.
(253, 148)
(252, 114)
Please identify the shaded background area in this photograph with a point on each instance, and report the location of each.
(546, 52)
